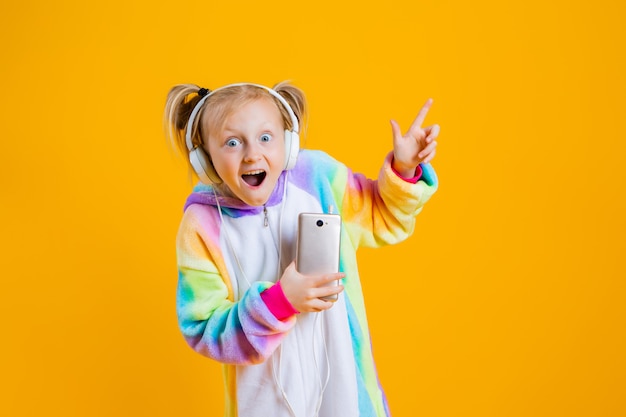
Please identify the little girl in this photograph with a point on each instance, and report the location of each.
(285, 350)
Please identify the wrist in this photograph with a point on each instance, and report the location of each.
(410, 174)
(277, 302)
(405, 171)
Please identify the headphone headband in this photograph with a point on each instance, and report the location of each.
(294, 120)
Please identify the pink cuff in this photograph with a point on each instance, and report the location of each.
(415, 179)
(275, 300)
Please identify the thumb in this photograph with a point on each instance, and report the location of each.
(291, 266)
(395, 130)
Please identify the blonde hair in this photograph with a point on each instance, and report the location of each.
(183, 98)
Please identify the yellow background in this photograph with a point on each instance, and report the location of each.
(508, 301)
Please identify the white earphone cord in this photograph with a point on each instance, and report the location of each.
(323, 386)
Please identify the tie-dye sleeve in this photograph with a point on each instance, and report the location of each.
(241, 332)
(383, 212)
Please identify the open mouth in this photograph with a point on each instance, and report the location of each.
(254, 178)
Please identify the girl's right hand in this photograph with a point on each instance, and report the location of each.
(304, 292)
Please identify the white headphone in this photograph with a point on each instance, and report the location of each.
(201, 161)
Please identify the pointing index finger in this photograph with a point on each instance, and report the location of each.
(417, 123)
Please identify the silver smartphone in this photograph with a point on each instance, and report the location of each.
(317, 247)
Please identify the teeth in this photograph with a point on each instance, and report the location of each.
(258, 171)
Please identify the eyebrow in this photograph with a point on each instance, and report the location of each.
(265, 127)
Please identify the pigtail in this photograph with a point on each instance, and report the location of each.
(297, 100)
(180, 102)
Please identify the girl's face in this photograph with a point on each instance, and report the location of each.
(249, 153)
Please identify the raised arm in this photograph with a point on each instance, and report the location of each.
(383, 211)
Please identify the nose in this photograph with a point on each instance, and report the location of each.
(252, 153)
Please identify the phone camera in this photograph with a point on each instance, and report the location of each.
(319, 223)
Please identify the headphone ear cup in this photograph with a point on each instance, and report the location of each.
(203, 166)
(292, 147)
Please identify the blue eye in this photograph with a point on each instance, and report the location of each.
(232, 142)
(265, 137)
